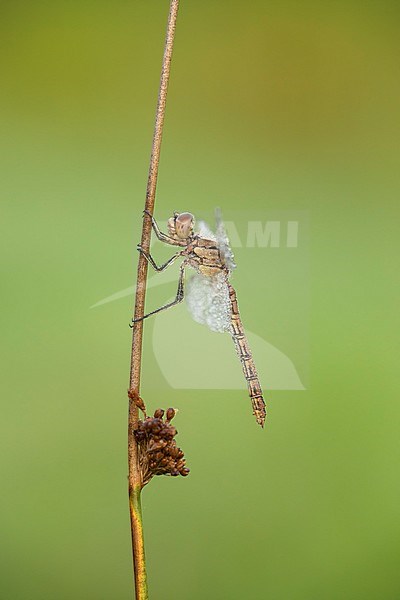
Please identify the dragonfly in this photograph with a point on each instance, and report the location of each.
(210, 296)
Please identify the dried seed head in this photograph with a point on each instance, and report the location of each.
(170, 414)
(158, 452)
(137, 400)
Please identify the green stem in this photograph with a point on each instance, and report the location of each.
(138, 543)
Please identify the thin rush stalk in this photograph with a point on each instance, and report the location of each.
(134, 476)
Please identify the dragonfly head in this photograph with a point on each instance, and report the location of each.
(181, 225)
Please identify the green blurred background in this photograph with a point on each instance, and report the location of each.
(273, 106)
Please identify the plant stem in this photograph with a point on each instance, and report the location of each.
(134, 477)
(138, 543)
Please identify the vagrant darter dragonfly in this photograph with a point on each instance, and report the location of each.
(210, 296)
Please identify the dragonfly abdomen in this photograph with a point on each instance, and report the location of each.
(246, 358)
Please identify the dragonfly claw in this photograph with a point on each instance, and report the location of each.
(135, 321)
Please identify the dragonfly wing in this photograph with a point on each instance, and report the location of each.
(207, 299)
(205, 232)
(223, 241)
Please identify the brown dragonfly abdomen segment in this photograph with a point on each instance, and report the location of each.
(246, 358)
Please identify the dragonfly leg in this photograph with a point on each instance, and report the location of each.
(151, 260)
(163, 237)
(179, 296)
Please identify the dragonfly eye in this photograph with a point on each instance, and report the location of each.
(184, 223)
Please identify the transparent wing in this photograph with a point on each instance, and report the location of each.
(207, 299)
(223, 241)
(205, 232)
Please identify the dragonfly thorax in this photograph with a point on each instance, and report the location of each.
(181, 225)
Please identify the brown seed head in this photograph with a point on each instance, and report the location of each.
(137, 400)
(170, 414)
(158, 452)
